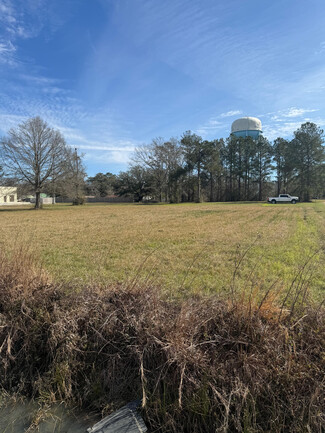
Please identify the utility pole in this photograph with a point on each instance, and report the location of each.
(53, 181)
(77, 174)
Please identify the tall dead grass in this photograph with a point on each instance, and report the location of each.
(199, 365)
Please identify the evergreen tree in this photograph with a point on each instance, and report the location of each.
(213, 168)
(136, 182)
(229, 159)
(194, 155)
(101, 184)
(309, 155)
(284, 156)
(262, 166)
(248, 153)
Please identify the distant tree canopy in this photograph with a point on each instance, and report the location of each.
(101, 185)
(137, 182)
(36, 157)
(308, 157)
(193, 169)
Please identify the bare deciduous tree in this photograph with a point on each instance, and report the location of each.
(34, 152)
(73, 181)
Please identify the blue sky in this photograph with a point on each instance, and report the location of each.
(114, 74)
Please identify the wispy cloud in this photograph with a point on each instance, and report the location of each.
(12, 20)
(231, 113)
(7, 13)
(297, 112)
(209, 129)
(6, 47)
(125, 146)
(215, 124)
(25, 19)
(283, 123)
(285, 129)
(321, 48)
(7, 50)
(80, 125)
(8, 121)
(292, 112)
(39, 79)
(110, 157)
(12, 28)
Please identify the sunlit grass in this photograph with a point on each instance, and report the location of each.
(184, 248)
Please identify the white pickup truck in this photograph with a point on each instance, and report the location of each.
(283, 198)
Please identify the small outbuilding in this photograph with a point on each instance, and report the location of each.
(8, 194)
(45, 199)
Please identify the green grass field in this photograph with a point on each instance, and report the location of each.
(185, 248)
(211, 312)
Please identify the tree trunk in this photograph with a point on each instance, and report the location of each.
(260, 180)
(278, 181)
(199, 183)
(38, 200)
(211, 187)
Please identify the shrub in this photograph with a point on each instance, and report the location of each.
(79, 200)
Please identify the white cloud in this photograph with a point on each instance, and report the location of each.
(231, 113)
(214, 123)
(7, 14)
(6, 47)
(110, 157)
(321, 48)
(7, 50)
(23, 19)
(284, 122)
(296, 112)
(39, 79)
(209, 128)
(284, 129)
(124, 146)
(9, 19)
(8, 121)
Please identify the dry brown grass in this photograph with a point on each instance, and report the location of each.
(186, 248)
(201, 364)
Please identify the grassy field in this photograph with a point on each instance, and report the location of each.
(186, 248)
(94, 329)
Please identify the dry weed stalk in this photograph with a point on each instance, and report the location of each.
(202, 364)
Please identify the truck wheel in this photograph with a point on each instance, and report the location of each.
(293, 201)
(273, 201)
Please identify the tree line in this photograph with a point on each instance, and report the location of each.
(238, 168)
(37, 158)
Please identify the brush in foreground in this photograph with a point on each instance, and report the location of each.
(200, 365)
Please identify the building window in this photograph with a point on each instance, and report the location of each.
(12, 198)
(5, 199)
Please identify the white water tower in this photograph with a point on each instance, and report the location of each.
(247, 127)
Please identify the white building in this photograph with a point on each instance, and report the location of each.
(8, 194)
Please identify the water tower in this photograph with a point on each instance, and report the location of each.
(247, 127)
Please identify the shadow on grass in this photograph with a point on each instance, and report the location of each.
(15, 209)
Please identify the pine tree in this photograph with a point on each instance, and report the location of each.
(309, 155)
